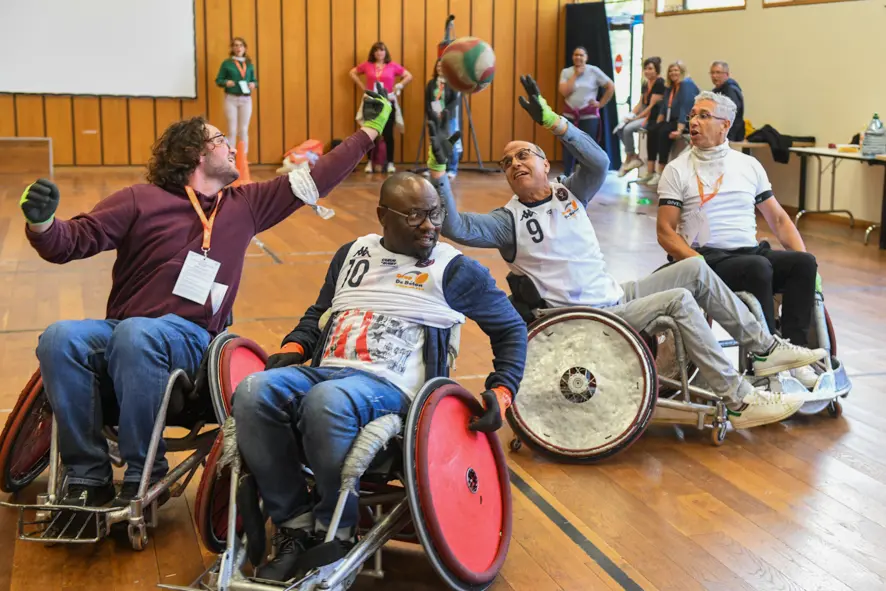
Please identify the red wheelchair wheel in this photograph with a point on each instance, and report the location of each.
(230, 362)
(26, 438)
(458, 487)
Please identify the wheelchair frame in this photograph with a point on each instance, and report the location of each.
(47, 515)
(226, 574)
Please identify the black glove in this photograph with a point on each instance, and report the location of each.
(490, 421)
(537, 106)
(441, 147)
(284, 360)
(39, 201)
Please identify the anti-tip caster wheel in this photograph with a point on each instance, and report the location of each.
(516, 444)
(835, 409)
(718, 433)
(138, 537)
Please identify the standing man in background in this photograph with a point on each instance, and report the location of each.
(728, 87)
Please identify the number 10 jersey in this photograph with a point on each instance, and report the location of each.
(383, 302)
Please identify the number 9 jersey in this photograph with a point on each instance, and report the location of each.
(557, 248)
(383, 302)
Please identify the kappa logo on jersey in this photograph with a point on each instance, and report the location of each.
(389, 262)
(527, 214)
(562, 194)
(363, 252)
(411, 280)
(571, 209)
(550, 212)
(424, 263)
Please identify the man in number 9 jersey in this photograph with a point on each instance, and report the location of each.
(547, 239)
(385, 322)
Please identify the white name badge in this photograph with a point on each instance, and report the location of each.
(244, 87)
(437, 107)
(196, 278)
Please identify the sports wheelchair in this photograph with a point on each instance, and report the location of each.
(593, 384)
(29, 444)
(430, 481)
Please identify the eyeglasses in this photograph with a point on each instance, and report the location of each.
(214, 140)
(416, 217)
(704, 116)
(522, 155)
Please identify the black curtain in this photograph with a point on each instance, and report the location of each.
(586, 25)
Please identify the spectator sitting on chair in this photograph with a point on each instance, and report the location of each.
(727, 86)
(644, 111)
(671, 120)
(708, 198)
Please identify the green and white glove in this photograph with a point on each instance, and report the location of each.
(376, 108)
(440, 147)
(537, 106)
(39, 201)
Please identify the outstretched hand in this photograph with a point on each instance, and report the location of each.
(536, 105)
(440, 147)
(376, 108)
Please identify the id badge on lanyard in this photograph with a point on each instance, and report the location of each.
(197, 278)
(695, 228)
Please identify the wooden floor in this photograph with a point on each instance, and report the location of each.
(797, 505)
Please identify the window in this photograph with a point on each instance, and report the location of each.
(771, 3)
(668, 7)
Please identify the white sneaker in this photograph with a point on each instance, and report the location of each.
(806, 376)
(451, 175)
(785, 356)
(653, 180)
(390, 168)
(635, 163)
(761, 407)
(368, 169)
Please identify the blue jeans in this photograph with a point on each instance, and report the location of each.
(291, 414)
(83, 361)
(589, 126)
(452, 165)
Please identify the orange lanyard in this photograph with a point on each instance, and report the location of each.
(705, 198)
(207, 224)
(241, 67)
(674, 90)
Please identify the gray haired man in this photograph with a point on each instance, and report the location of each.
(727, 86)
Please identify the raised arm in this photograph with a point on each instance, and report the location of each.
(594, 163)
(470, 289)
(84, 235)
(481, 230)
(273, 201)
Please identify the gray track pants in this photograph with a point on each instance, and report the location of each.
(682, 291)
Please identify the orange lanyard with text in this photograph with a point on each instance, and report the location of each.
(241, 67)
(705, 198)
(207, 223)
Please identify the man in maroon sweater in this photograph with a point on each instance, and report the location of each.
(180, 242)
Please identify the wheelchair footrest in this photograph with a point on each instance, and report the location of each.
(61, 524)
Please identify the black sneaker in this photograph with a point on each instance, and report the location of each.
(129, 491)
(79, 525)
(322, 554)
(289, 544)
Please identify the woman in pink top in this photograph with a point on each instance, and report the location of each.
(379, 68)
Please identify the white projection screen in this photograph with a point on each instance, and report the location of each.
(99, 47)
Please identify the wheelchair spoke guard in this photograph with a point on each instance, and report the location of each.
(458, 487)
(26, 438)
(231, 360)
(589, 389)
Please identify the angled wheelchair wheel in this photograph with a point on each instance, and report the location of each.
(589, 388)
(26, 438)
(457, 486)
(231, 359)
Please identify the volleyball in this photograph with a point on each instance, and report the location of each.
(468, 64)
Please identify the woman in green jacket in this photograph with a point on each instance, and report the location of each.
(237, 76)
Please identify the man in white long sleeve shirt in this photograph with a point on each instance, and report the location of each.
(546, 238)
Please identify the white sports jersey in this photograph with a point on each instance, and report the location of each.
(558, 250)
(727, 220)
(382, 303)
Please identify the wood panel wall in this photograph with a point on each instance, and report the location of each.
(303, 50)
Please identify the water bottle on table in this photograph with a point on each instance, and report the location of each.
(874, 142)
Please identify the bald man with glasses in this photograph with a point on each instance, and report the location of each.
(548, 241)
